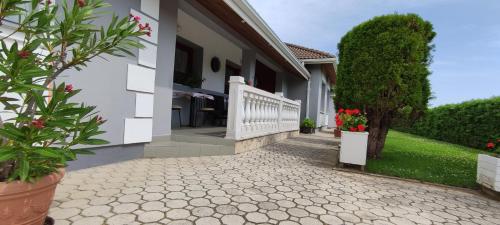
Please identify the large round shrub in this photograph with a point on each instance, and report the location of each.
(383, 67)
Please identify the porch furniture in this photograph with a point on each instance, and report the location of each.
(178, 109)
(202, 105)
(210, 104)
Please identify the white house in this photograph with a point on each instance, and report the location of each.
(213, 79)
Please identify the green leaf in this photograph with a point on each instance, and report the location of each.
(48, 152)
(94, 142)
(7, 154)
(23, 168)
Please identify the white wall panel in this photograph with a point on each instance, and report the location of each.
(152, 23)
(138, 131)
(140, 79)
(151, 7)
(147, 55)
(144, 105)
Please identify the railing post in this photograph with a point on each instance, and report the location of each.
(280, 111)
(298, 113)
(235, 107)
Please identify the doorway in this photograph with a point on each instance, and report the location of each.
(265, 77)
(232, 69)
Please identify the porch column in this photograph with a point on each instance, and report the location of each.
(165, 68)
(248, 64)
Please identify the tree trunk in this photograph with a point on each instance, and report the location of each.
(374, 130)
(378, 127)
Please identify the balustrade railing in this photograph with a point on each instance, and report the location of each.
(253, 112)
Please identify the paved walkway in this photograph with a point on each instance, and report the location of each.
(286, 183)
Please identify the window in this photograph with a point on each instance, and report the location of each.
(188, 63)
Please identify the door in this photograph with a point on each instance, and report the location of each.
(265, 78)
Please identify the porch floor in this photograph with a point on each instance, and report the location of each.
(191, 142)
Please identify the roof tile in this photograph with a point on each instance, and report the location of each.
(302, 52)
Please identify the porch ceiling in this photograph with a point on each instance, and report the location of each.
(276, 49)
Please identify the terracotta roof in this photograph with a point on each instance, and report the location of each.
(302, 52)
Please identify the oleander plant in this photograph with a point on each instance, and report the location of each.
(41, 128)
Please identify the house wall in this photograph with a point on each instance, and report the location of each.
(107, 78)
(297, 89)
(331, 111)
(111, 86)
(214, 45)
(315, 92)
(320, 103)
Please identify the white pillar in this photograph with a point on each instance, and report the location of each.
(235, 108)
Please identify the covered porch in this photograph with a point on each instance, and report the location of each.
(228, 85)
(255, 118)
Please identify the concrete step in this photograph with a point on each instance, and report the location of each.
(166, 149)
(165, 140)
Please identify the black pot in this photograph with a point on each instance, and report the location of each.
(307, 130)
(49, 221)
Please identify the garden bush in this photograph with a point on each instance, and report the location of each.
(384, 66)
(471, 123)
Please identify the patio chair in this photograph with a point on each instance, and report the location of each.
(204, 107)
(178, 108)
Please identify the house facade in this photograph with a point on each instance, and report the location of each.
(319, 93)
(215, 61)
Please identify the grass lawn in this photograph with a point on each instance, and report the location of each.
(414, 157)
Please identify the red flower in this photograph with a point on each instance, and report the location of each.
(341, 110)
(355, 111)
(353, 129)
(361, 127)
(339, 123)
(490, 145)
(24, 54)
(68, 88)
(38, 123)
(81, 3)
(137, 18)
(348, 112)
(148, 33)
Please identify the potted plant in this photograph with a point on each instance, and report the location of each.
(308, 126)
(488, 167)
(354, 139)
(40, 138)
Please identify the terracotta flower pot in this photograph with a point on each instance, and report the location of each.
(337, 132)
(24, 203)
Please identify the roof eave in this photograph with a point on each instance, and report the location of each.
(319, 61)
(250, 16)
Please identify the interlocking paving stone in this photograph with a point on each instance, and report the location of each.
(289, 183)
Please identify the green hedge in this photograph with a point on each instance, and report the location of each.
(469, 123)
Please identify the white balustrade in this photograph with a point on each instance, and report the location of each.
(253, 112)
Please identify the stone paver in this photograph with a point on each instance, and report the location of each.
(291, 182)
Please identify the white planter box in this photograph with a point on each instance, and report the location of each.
(488, 171)
(353, 147)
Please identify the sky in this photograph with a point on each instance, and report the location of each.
(466, 60)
